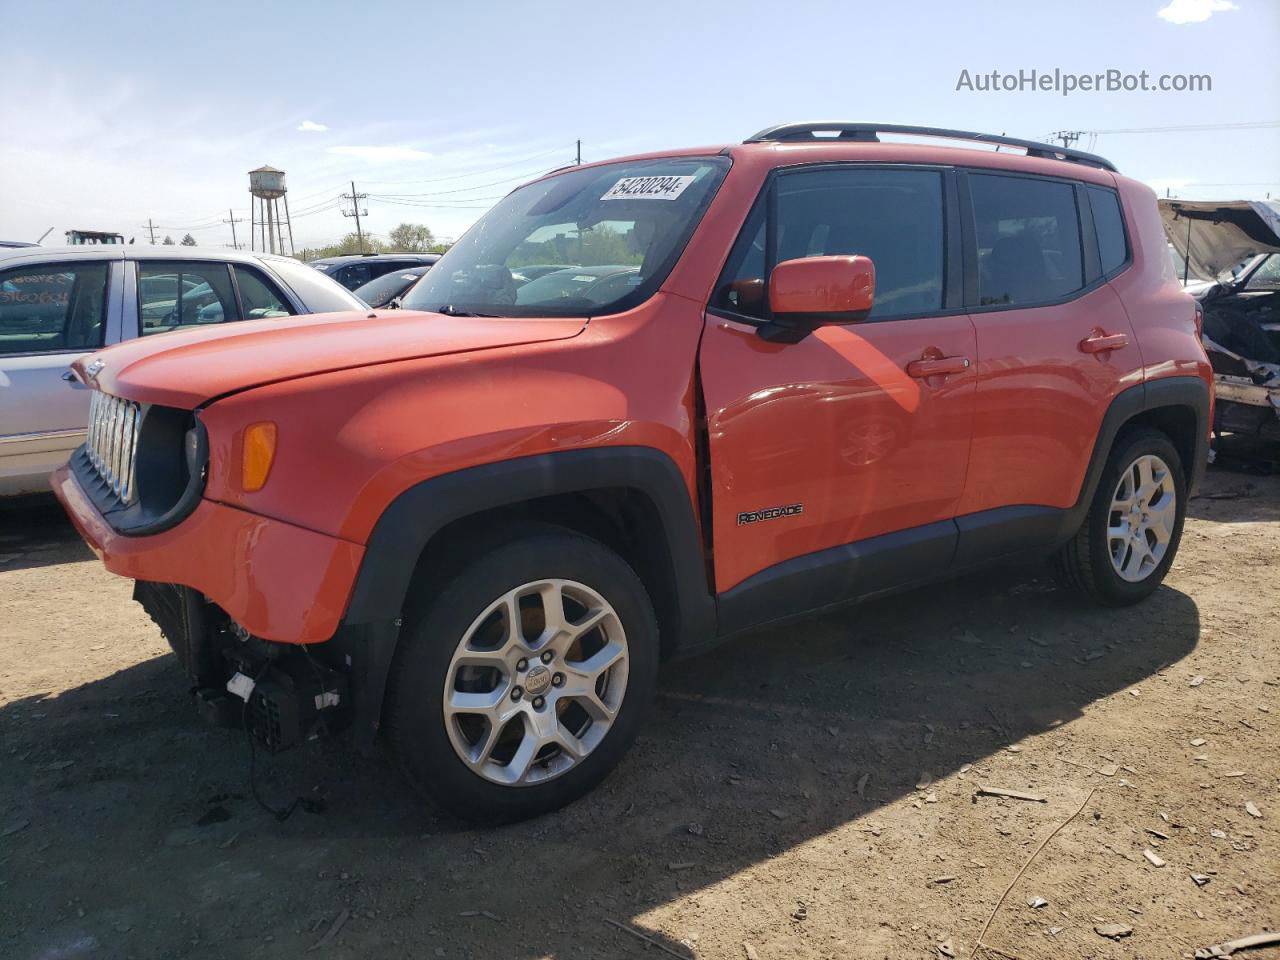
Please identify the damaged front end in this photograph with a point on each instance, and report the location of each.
(281, 694)
(1234, 248)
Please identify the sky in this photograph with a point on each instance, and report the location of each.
(120, 113)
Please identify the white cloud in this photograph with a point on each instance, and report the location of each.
(1194, 11)
(310, 126)
(381, 154)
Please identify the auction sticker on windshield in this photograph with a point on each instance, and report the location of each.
(648, 188)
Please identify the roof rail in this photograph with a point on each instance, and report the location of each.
(867, 133)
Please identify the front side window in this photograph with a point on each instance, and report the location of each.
(258, 297)
(623, 225)
(1028, 237)
(1108, 224)
(175, 294)
(895, 217)
(52, 308)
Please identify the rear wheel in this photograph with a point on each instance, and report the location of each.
(521, 685)
(1131, 534)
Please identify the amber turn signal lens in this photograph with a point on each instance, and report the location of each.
(259, 451)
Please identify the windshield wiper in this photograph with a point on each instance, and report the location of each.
(449, 310)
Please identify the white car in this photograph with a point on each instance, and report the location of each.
(59, 303)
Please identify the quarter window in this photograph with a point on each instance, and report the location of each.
(173, 295)
(1028, 238)
(892, 216)
(1113, 250)
(52, 308)
(258, 297)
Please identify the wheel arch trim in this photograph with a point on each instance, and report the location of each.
(371, 626)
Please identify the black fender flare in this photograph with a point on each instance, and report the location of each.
(1182, 391)
(366, 639)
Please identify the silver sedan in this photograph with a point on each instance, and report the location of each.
(57, 304)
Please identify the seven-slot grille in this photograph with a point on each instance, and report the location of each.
(112, 442)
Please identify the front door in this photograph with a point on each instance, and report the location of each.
(857, 435)
(51, 313)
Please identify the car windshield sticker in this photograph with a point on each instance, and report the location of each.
(648, 188)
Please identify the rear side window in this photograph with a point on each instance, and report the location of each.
(1028, 238)
(52, 308)
(895, 217)
(355, 275)
(258, 296)
(1113, 248)
(175, 294)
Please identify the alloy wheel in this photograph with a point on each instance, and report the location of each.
(536, 682)
(1143, 513)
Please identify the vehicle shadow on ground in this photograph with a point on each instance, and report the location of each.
(35, 532)
(751, 750)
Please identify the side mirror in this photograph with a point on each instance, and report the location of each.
(812, 292)
(393, 304)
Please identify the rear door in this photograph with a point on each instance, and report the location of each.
(51, 313)
(1054, 347)
(845, 437)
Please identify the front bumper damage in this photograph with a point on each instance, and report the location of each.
(285, 688)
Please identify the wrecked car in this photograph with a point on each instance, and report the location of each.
(1236, 245)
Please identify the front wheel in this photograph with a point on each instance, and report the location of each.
(523, 683)
(1130, 536)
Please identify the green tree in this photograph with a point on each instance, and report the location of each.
(168, 242)
(411, 238)
(188, 241)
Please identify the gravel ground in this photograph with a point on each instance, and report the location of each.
(808, 791)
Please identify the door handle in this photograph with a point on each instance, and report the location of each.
(937, 366)
(1104, 342)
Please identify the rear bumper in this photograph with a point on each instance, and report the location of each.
(280, 582)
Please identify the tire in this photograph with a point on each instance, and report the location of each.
(1095, 563)
(429, 727)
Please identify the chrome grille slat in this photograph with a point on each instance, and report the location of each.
(111, 442)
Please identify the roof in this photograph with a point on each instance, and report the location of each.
(352, 257)
(266, 169)
(136, 251)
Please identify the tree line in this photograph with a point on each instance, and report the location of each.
(406, 238)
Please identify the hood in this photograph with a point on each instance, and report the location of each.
(1214, 236)
(185, 368)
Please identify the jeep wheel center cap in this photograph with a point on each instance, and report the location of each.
(537, 680)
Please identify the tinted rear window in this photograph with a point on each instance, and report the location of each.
(1028, 239)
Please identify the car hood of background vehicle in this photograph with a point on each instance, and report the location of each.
(1222, 233)
(185, 368)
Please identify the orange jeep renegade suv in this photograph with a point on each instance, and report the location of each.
(743, 384)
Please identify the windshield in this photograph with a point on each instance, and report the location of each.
(621, 225)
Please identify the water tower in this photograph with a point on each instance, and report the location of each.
(266, 186)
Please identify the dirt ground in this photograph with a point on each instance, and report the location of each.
(807, 791)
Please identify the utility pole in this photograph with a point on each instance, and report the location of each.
(233, 221)
(1068, 137)
(355, 199)
(151, 230)
(578, 162)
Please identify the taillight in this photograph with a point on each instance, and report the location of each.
(1199, 319)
